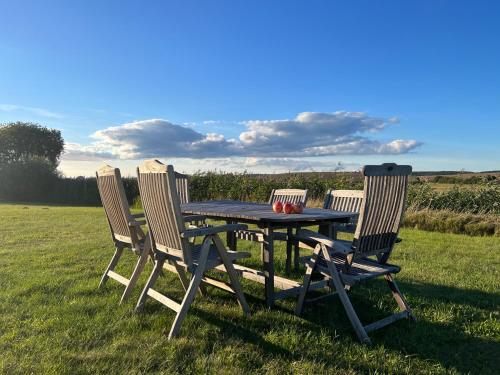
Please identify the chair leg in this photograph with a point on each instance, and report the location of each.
(193, 287)
(157, 269)
(139, 267)
(311, 265)
(344, 298)
(288, 264)
(111, 266)
(235, 282)
(398, 296)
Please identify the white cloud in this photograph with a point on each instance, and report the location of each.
(309, 134)
(297, 165)
(77, 152)
(34, 110)
(363, 146)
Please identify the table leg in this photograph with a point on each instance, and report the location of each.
(231, 238)
(326, 229)
(296, 253)
(268, 246)
(288, 265)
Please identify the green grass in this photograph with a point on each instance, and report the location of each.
(53, 319)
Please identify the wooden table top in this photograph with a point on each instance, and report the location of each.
(257, 212)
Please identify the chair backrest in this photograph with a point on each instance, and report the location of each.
(114, 201)
(343, 200)
(181, 182)
(162, 209)
(382, 209)
(288, 195)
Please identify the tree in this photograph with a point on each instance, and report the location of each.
(22, 141)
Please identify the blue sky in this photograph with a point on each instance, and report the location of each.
(358, 81)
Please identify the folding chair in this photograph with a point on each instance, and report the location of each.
(347, 263)
(126, 231)
(283, 195)
(344, 200)
(170, 243)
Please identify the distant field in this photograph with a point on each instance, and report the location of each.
(446, 187)
(54, 320)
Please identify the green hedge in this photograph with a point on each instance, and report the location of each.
(39, 183)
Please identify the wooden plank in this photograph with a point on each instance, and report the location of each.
(386, 321)
(119, 278)
(204, 231)
(218, 284)
(259, 276)
(293, 291)
(170, 303)
(245, 272)
(288, 195)
(260, 212)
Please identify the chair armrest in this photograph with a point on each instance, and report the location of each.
(191, 218)
(206, 231)
(306, 234)
(309, 235)
(137, 223)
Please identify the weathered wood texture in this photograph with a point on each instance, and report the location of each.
(162, 208)
(382, 209)
(344, 200)
(169, 237)
(181, 182)
(260, 213)
(288, 195)
(294, 196)
(125, 230)
(115, 203)
(346, 264)
(263, 216)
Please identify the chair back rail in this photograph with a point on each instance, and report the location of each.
(115, 203)
(288, 195)
(181, 182)
(161, 203)
(343, 200)
(381, 213)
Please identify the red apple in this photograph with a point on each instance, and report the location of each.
(298, 208)
(288, 208)
(277, 207)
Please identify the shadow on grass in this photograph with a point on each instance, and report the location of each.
(446, 343)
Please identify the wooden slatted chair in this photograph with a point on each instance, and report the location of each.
(181, 183)
(283, 195)
(337, 200)
(170, 243)
(348, 263)
(344, 200)
(125, 228)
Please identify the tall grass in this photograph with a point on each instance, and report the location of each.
(485, 199)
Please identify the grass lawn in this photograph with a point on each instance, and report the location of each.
(53, 319)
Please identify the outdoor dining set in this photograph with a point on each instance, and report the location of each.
(181, 237)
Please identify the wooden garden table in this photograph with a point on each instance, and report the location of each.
(263, 216)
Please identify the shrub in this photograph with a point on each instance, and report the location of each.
(453, 222)
(29, 179)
